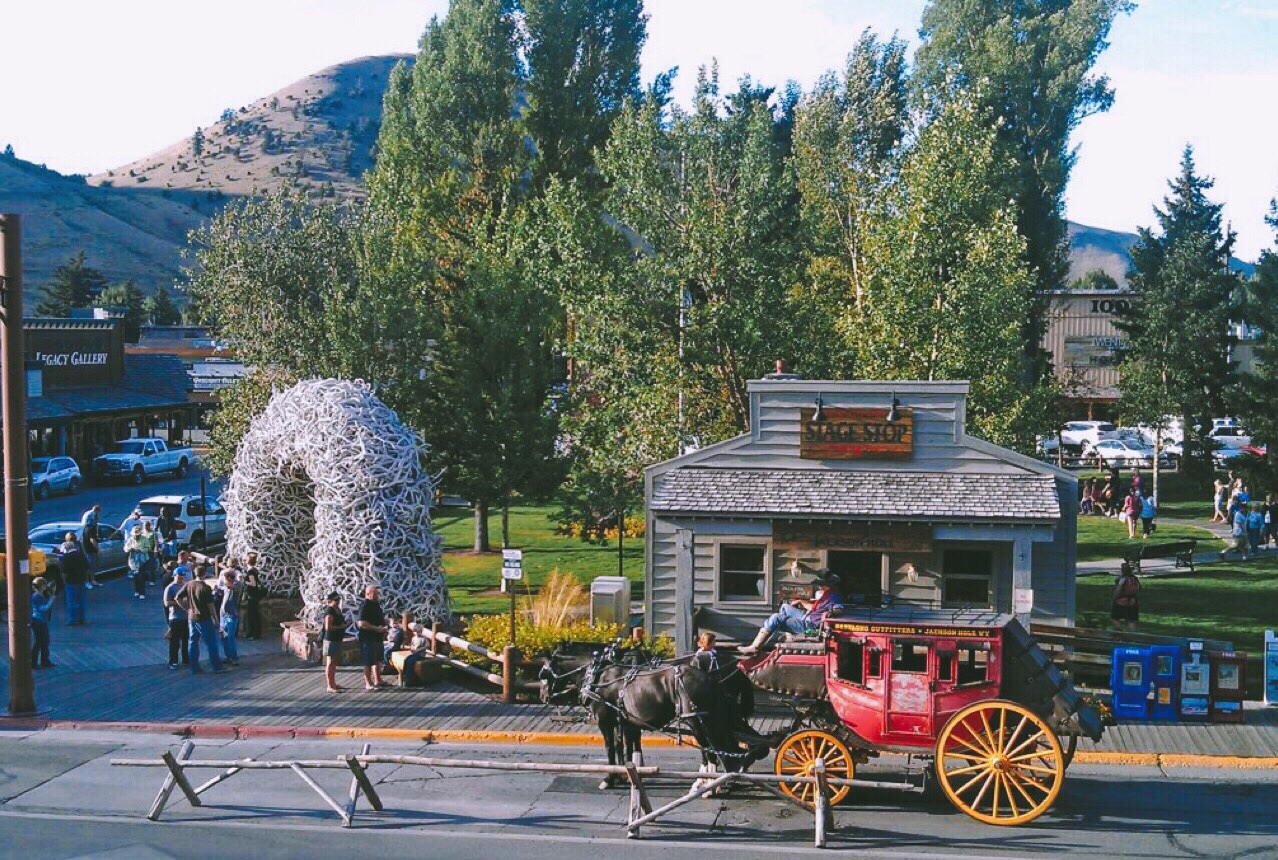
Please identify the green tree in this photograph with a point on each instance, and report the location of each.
(946, 286)
(159, 308)
(848, 132)
(1177, 360)
(583, 66)
(74, 285)
(1031, 61)
(131, 300)
(1096, 279)
(450, 177)
(197, 143)
(1260, 383)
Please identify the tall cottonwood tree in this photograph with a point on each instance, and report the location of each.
(1032, 63)
(946, 287)
(847, 136)
(582, 61)
(1177, 361)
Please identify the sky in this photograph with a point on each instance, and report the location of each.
(90, 85)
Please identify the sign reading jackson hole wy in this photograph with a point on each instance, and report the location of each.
(856, 434)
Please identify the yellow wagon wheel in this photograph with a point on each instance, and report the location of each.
(797, 756)
(999, 763)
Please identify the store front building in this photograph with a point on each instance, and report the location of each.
(877, 482)
(84, 392)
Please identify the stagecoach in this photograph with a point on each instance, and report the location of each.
(968, 689)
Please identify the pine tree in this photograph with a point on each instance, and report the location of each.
(74, 285)
(129, 299)
(1260, 384)
(197, 143)
(1177, 360)
(159, 309)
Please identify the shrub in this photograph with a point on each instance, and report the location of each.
(538, 640)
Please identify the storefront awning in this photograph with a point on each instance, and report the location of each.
(939, 496)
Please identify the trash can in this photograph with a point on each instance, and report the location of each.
(1165, 673)
(1130, 681)
(610, 600)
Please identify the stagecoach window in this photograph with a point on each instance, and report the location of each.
(852, 660)
(944, 665)
(742, 573)
(973, 663)
(967, 576)
(909, 656)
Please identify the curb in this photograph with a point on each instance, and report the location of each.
(484, 736)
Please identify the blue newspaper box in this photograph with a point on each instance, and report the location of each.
(1132, 684)
(1195, 684)
(1164, 665)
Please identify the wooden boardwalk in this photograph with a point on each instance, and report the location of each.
(115, 669)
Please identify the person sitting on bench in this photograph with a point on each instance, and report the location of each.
(801, 617)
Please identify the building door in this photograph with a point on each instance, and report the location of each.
(861, 575)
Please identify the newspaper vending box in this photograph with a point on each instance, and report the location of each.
(1164, 663)
(1195, 684)
(1228, 686)
(1271, 668)
(1131, 684)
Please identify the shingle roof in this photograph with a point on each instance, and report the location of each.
(916, 495)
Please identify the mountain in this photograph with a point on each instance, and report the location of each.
(318, 132)
(129, 235)
(1108, 250)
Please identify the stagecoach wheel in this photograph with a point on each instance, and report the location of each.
(797, 756)
(1068, 750)
(999, 763)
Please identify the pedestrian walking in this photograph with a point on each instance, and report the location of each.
(1239, 534)
(134, 519)
(41, 606)
(179, 634)
(196, 598)
(1148, 510)
(1131, 513)
(89, 542)
(136, 557)
(371, 628)
(1269, 510)
(1255, 527)
(230, 614)
(150, 546)
(1220, 495)
(253, 594)
(75, 578)
(333, 631)
(1125, 606)
(166, 528)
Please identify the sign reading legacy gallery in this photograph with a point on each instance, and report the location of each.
(856, 537)
(856, 434)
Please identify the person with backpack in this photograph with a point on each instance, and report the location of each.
(1130, 513)
(1125, 606)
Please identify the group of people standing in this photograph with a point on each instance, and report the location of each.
(1135, 505)
(1251, 521)
(197, 612)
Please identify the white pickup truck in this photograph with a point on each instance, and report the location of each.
(135, 459)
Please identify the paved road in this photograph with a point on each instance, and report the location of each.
(117, 500)
(59, 798)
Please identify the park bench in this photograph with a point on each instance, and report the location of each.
(1180, 550)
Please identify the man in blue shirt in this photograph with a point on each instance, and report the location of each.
(801, 617)
(41, 604)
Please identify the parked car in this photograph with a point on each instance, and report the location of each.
(135, 459)
(192, 515)
(54, 474)
(48, 538)
(1120, 452)
(1085, 434)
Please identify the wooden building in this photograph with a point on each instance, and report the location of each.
(906, 507)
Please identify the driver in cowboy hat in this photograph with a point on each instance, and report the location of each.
(801, 617)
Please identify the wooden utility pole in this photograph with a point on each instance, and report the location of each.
(13, 393)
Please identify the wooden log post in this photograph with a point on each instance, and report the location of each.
(170, 782)
(822, 805)
(434, 638)
(175, 770)
(509, 669)
(640, 805)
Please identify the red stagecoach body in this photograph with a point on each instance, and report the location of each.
(968, 685)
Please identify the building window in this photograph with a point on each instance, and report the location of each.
(967, 577)
(860, 574)
(743, 572)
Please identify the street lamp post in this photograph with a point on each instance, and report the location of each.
(13, 395)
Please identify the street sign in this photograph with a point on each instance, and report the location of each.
(512, 564)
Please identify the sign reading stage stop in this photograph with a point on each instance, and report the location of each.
(512, 564)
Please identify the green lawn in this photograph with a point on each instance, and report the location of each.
(1104, 537)
(471, 577)
(1235, 602)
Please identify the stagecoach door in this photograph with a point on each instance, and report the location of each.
(908, 703)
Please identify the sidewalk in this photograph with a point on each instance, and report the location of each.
(113, 674)
(1164, 566)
